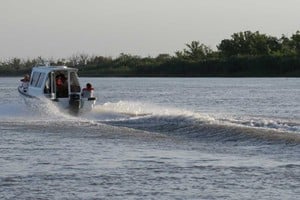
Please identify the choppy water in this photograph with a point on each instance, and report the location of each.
(155, 138)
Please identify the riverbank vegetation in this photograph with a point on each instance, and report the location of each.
(245, 54)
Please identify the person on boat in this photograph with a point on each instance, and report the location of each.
(59, 81)
(61, 86)
(88, 91)
(25, 82)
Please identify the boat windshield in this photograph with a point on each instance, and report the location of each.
(74, 82)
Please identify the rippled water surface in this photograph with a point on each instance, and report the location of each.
(155, 138)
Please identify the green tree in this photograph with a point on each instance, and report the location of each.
(249, 44)
(195, 51)
(15, 63)
(286, 48)
(296, 42)
(228, 48)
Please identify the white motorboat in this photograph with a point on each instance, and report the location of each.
(59, 84)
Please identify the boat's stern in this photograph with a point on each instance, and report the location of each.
(88, 104)
(79, 104)
(75, 102)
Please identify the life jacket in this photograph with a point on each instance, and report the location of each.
(88, 89)
(87, 92)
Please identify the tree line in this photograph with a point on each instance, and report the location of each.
(244, 54)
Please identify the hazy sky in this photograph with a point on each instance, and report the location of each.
(61, 28)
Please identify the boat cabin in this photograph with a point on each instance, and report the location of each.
(54, 82)
(59, 84)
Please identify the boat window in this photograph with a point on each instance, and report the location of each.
(35, 78)
(41, 80)
(74, 82)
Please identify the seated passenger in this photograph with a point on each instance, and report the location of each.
(88, 91)
(25, 82)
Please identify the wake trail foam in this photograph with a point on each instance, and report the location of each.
(129, 110)
(158, 119)
(265, 123)
(186, 123)
(33, 110)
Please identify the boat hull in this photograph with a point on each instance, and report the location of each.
(73, 105)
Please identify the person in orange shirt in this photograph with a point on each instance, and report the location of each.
(59, 82)
(61, 87)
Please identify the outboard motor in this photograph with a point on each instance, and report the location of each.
(75, 102)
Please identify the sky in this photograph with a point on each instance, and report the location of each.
(62, 28)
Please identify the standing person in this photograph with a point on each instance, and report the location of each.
(59, 82)
(61, 87)
(88, 91)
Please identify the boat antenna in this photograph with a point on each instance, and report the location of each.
(45, 63)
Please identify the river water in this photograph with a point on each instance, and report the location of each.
(155, 138)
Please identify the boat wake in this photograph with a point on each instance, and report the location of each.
(32, 109)
(150, 118)
(184, 123)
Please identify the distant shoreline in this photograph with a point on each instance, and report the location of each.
(162, 76)
(234, 67)
(246, 54)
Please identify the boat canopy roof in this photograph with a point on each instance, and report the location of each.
(47, 69)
